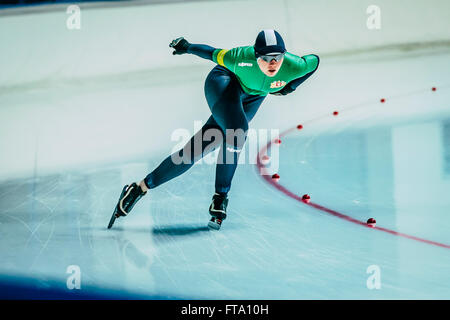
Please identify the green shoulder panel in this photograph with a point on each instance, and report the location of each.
(229, 58)
(312, 61)
(299, 66)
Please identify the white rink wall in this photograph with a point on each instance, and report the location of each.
(113, 92)
(130, 38)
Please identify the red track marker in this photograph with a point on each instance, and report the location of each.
(306, 198)
(371, 222)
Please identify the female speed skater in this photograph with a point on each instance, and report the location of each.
(234, 90)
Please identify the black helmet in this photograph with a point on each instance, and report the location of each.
(269, 41)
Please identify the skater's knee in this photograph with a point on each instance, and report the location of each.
(183, 156)
(237, 123)
(236, 138)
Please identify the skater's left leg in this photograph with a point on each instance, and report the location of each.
(230, 150)
(228, 158)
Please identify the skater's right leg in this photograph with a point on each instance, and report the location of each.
(218, 210)
(224, 95)
(232, 110)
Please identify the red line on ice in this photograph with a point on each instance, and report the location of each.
(268, 178)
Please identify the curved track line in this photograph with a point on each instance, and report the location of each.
(284, 190)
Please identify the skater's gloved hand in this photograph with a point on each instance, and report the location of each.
(180, 45)
(286, 90)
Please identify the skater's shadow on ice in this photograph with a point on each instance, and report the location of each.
(165, 232)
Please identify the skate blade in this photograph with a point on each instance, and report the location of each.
(113, 217)
(213, 225)
(112, 220)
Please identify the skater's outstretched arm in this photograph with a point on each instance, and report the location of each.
(182, 46)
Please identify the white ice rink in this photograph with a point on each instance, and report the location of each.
(69, 146)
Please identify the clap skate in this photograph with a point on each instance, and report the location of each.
(218, 211)
(128, 198)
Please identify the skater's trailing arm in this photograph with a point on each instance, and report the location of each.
(182, 46)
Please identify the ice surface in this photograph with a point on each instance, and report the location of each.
(388, 161)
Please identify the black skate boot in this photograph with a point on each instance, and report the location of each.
(218, 210)
(128, 198)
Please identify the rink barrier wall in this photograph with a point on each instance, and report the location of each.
(114, 40)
